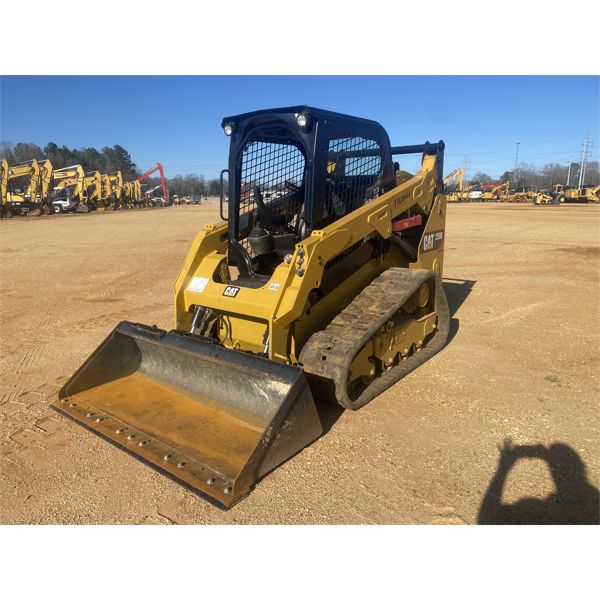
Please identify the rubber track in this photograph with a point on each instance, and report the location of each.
(341, 340)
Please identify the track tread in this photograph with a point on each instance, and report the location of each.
(329, 352)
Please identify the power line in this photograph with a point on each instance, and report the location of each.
(551, 149)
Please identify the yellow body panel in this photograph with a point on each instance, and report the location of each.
(279, 316)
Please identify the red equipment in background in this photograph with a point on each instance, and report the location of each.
(158, 168)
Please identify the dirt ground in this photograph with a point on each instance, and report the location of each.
(522, 363)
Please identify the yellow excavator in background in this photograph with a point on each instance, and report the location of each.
(321, 282)
(91, 192)
(132, 194)
(22, 195)
(456, 175)
(68, 183)
(496, 192)
(503, 191)
(136, 192)
(107, 199)
(45, 186)
(127, 196)
(3, 184)
(116, 191)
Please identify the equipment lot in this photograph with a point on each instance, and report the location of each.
(522, 363)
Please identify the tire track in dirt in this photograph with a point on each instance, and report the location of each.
(53, 310)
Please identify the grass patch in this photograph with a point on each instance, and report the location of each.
(552, 378)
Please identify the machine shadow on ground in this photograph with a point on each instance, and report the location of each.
(457, 291)
(574, 502)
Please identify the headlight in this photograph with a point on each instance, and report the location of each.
(228, 129)
(303, 121)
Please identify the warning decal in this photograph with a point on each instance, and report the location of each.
(198, 284)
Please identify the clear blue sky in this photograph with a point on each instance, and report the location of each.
(176, 119)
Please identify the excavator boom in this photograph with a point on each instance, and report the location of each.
(163, 184)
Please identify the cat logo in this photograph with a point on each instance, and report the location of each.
(231, 291)
(432, 241)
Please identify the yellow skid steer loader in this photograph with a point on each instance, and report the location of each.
(322, 282)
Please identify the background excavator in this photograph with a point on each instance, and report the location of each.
(494, 191)
(132, 194)
(322, 282)
(457, 194)
(112, 189)
(116, 186)
(45, 186)
(91, 192)
(3, 185)
(23, 189)
(163, 184)
(68, 183)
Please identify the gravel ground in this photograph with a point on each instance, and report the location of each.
(522, 364)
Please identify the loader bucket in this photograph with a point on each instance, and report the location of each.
(212, 418)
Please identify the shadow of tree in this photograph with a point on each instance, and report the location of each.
(574, 502)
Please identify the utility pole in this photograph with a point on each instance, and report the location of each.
(517, 142)
(569, 174)
(584, 157)
(466, 167)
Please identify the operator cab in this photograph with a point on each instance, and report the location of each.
(291, 171)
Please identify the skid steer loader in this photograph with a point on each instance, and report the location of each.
(322, 282)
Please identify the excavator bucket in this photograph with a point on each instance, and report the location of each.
(215, 419)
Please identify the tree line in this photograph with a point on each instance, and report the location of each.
(107, 160)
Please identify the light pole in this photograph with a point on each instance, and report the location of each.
(517, 142)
